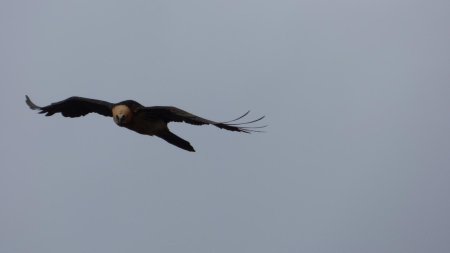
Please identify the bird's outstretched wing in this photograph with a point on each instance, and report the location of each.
(173, 114)
(74, 107)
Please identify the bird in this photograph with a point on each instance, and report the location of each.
(151, 121)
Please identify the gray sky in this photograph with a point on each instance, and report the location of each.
(356, 158)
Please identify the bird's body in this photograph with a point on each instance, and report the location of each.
(147, 127)
(152, 121)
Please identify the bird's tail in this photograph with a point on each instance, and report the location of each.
(175, 140)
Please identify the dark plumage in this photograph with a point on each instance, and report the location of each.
(136, 117)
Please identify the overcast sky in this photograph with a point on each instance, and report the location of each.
(356, 157)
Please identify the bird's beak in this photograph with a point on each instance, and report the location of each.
(119, 119)
(123, 119)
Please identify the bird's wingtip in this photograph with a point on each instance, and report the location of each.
(31, 104)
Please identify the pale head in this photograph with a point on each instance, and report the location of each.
(121, 114)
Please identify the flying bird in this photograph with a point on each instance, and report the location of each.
(151, 120)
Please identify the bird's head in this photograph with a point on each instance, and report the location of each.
(121, 114)
(123, 111)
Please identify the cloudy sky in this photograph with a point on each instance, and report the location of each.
(356, 157)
